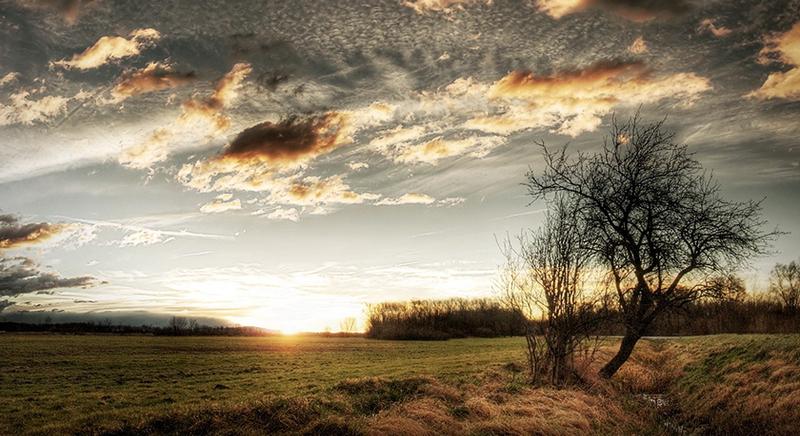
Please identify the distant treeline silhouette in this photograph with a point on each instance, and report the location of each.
(92, 327)
(457, 318)
(442, 319)
(178, 326)
(749, 315)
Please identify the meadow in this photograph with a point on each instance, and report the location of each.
(105, 384)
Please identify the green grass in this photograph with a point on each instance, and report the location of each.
(198, 385)
(55, 380)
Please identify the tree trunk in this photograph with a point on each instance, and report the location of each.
(625, 349)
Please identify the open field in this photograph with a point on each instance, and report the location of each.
(130, 384)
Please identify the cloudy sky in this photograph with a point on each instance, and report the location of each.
(281, 163)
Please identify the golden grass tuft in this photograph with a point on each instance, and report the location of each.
(481, 407)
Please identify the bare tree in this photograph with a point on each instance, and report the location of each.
(178, 324)
(348, 325)
(784, 283)
(656, 221)
(545, 279)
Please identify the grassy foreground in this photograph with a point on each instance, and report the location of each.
(138, 384)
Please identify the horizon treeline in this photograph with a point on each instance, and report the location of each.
(442, 319)
(488, 317)
(481, 317)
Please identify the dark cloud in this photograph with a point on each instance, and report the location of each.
(291, 140)
(4, 304)
(21, 275)
(14, 234)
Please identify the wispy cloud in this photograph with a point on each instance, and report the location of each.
(136, 235)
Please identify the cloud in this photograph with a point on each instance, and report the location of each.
(410, 198)
(153, 150)
(21, 275)
(445, 6)
(356, 166)
(137, 234)
(638, 46)
(271, 157)
(24, 110)
(419, 198)
(153, 77)
(222, 203)
(633, 10)
(314, 190)
(5, 304)
(142, 237)
(398, 135)
(111, 48)
(451, 201)
(210, 109)
(709, 25)
(9, 78)
(438, 148)
(572, 102)
(207, 112)
(783, 48)
(291, 214)
(14, 234)
(289, 142)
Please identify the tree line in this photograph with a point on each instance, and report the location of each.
(178, 326)
(442, 319)
(459, 318)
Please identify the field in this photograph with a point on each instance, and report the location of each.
(132, 384)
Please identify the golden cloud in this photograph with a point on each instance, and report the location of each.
(638, 46)
(709, 25)
(209, 110)
(783, 48)
(445, 6)
(153, 77)
(312, 191)
(633, 10)
(575, 100)
(109, 48)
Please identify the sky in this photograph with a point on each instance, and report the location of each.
(284, 163)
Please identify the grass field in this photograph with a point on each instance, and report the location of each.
(130, 384)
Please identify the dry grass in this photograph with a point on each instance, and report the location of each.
(724, 384)
(750, 388)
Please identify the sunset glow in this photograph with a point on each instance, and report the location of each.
(284, 164)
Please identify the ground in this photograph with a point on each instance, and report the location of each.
(133, 384)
